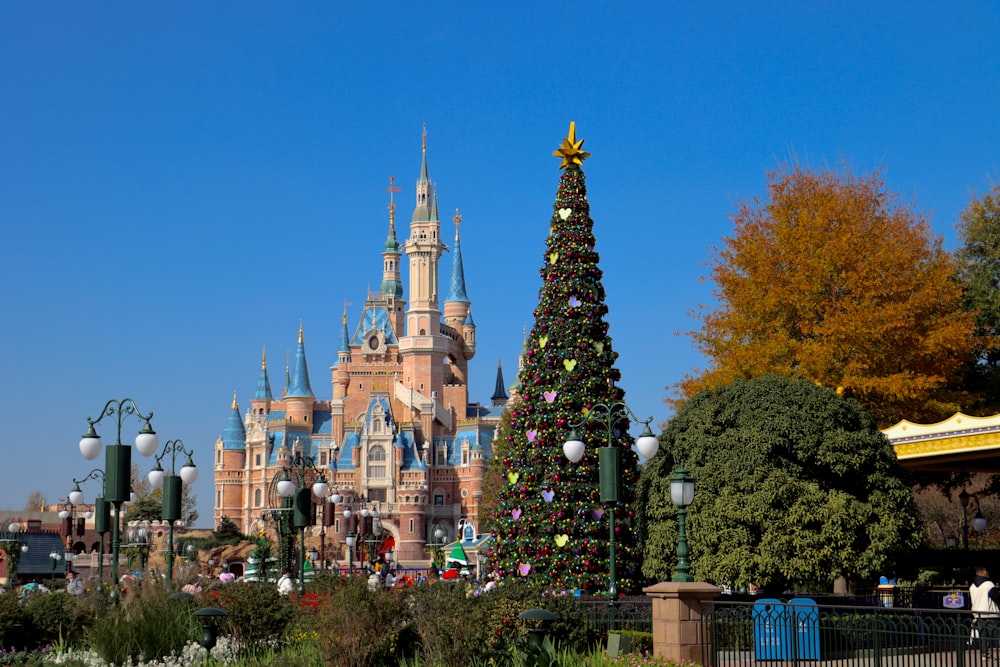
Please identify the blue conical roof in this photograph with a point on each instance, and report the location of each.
(299, 381)
(234, 436)
(263, 383)
(456, 290)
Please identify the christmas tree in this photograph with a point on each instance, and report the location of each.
(550, 527)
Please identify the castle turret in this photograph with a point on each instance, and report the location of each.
(499, 397)
(456, 304)
(299, 397)
(341, 375)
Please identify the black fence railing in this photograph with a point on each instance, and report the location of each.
(632, 612)
(800, 632)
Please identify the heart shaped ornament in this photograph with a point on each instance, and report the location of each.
(524, 569)
(548, 495)
(516, 514)
(561, 540)
(569, 364)
(564, 213)
(553, 257)
(597, 514)
(532, 435)
(550, 396)
(513, 477)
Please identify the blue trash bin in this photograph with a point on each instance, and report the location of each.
(805, 613)
(771, 630)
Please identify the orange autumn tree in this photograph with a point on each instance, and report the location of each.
(832, 280)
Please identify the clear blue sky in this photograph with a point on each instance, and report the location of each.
(179, 181)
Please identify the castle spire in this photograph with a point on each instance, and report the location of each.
(425, 191)
(499, 392)
(299, 384)
(263, 392)
(392, 282)
(345, 338)
(457, 285)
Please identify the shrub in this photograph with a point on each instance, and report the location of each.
(504, 604)
(358, 627)
(452, 627)
(147, 625)
(258, 614)
(10, 618)
(48, 618)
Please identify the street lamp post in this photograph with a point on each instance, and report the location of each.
(118, 461)
(300, 497)
(352, 539)
(138, 540)
(102, 515)
(610, 415)
(54, 558)
(329, 513)
(681, 495)
(170, 482)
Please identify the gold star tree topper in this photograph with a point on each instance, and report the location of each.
(570, 151)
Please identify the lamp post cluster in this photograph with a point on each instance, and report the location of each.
(118, 461)
(73, 523)
(14, 547)
(296, 500)
(364, 527)
(138, 543)
(171, 482)
(102, 515)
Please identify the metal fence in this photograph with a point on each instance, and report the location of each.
(632, 612)
(770, 632)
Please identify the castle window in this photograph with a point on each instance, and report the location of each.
(439, 499)
(336, 525)
(465, 493)
(256, 498)
(376, 462)
(322, 459)
(411, 525)
(465, 456)
(218, 457)
(256, 460)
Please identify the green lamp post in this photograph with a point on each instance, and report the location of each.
(609, 415)
(102, 516)
(682, 495)
(118, 461)
(299, 496)
(171, 482)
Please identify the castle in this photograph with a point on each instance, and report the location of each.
(398, 435)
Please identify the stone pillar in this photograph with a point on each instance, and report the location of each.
(678, 609)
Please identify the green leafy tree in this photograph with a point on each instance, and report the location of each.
(550, 528)
(795, 487)
(979, 231)
(832, 280)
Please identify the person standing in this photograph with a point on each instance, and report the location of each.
(985, 597)
(285, 584)
(74, 586)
